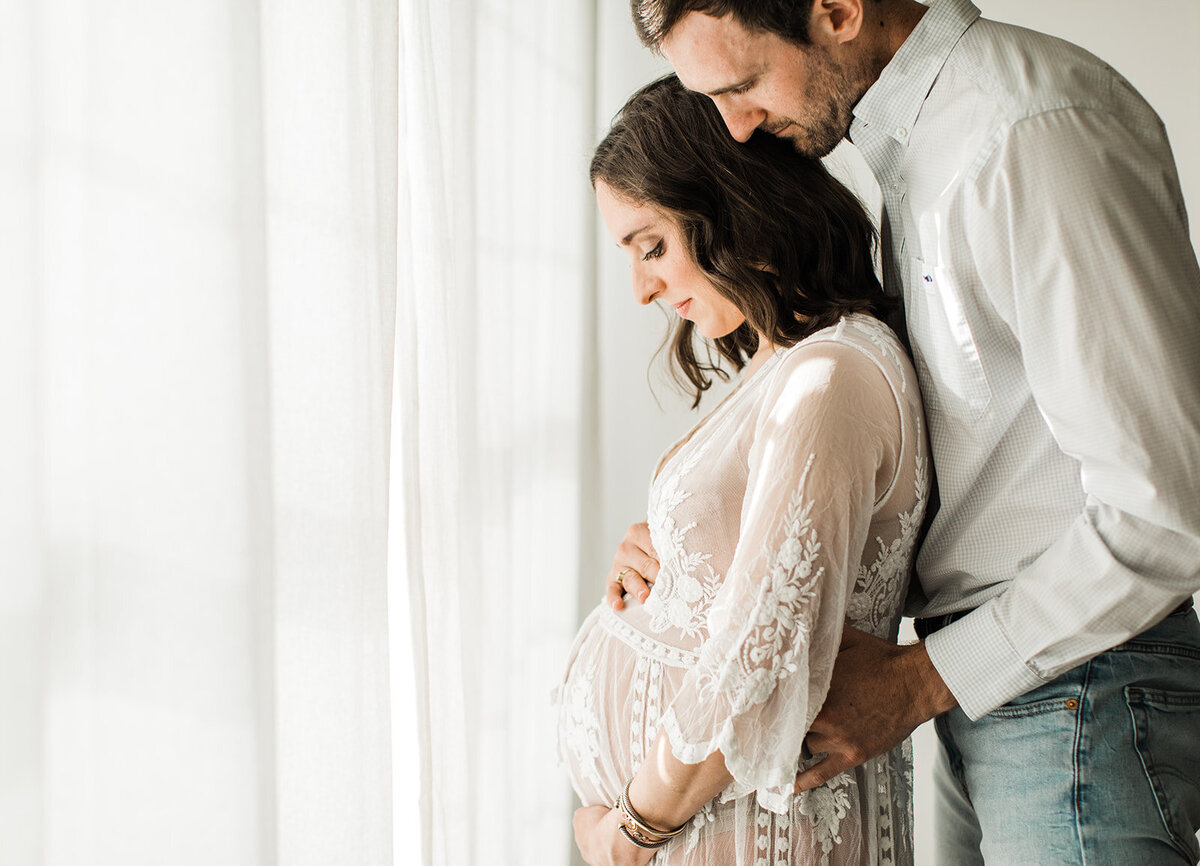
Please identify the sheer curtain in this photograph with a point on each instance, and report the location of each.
(495, 231)
(197, 272)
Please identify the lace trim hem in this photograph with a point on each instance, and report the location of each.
(646, 645)
(773, 791)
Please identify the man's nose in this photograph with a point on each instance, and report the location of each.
(741, 121)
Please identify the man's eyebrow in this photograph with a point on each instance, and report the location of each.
(729, 88)
(633, 234)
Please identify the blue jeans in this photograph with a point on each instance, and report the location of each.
(1100, 766)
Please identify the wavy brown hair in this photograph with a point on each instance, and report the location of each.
(772, 231)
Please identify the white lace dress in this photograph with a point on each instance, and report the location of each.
(789, 510)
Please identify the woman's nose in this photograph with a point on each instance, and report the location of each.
(646, 286)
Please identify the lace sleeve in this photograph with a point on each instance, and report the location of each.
(827, 440)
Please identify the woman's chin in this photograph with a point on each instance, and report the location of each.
(711, 332)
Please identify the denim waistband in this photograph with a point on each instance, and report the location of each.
(927, 626)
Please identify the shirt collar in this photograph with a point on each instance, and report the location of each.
(893, 102)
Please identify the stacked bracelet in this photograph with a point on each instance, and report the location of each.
(634, 827)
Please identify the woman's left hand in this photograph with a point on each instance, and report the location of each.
(598, 835)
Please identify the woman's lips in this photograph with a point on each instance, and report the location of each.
(682, 308)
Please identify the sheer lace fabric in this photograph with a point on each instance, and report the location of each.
(790, 510)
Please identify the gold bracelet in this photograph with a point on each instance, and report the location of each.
(651, 834)
(631, 831)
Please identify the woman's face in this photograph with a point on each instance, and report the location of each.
(663, 269)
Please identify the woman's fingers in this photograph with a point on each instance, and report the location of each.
(635, 585)
(634, 568)
(614, 593)
(643, 557)
(621, 581)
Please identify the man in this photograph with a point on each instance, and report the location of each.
(1033, 223)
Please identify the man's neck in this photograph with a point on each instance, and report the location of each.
(895, 21)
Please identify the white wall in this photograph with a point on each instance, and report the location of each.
(1158, 52)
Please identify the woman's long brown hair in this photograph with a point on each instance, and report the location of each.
(774, 233)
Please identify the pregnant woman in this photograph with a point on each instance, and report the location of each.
(787, 513)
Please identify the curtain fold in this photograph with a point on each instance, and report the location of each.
(199, 203)
(494, 295)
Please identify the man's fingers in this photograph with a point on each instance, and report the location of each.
(816, 743)
(852, 636)
(819, 774)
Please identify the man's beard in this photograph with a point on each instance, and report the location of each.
(828, 82)
(819, 136)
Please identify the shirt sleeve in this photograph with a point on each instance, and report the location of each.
(827, 427)
(1079, 234)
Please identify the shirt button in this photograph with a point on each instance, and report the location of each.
(901, 133)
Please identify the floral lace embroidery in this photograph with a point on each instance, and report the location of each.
(825, 807)
(580, 725)
(778, 621)
(687, 583)
(878, 586)
(881, 338)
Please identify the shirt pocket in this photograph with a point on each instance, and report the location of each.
(944, 345)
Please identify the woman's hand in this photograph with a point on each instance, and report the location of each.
(598, 835)
(634, 568)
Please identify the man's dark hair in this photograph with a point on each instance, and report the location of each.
(773, 232)
(654, 19)
(787, 19)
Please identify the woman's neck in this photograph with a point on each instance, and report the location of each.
(765, 350)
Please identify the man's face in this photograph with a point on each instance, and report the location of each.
(762, 81)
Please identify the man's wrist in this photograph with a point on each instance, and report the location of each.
(929, 694)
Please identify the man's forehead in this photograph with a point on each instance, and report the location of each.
(710, 53)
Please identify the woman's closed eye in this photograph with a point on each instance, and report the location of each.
(654, 252)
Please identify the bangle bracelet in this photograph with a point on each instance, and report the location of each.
(633, 831)
(652, 834)
(625, 832)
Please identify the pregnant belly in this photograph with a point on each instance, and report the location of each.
(617, 684)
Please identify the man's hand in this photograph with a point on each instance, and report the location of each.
(879, 694)
(598, 837)
(638, 562)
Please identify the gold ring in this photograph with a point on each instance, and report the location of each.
(621, 576)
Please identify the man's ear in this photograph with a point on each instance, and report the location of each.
(835, 22)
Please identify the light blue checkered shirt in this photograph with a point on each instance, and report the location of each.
(1036, 230)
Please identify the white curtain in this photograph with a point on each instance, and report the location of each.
(495, 239)
(197, 276)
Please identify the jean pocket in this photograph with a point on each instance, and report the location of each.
(1068, 703)
(1166, 730)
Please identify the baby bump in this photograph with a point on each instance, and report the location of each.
(609, 705)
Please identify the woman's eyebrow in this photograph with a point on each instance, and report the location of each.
(633, 234)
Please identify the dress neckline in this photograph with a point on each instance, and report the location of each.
(678, 445)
